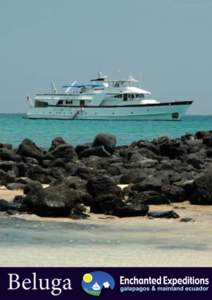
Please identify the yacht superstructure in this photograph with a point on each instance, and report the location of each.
(101, 99)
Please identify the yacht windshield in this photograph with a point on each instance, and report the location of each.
(123, 83)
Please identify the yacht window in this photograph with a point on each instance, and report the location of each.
(118, 96)
(125, 97)
(69, 102)
(39, 103)
(60, 102)
(140, 95)
(175, 115)
(130, 96)
(82, 102)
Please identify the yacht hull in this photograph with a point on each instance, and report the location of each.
(162, 111)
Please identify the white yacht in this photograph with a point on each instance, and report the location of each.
(104, 99)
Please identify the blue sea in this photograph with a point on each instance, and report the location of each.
(14, 128)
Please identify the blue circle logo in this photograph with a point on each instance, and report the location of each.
(98, 282)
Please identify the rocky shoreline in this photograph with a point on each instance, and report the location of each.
(68, 181)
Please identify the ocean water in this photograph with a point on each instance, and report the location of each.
(14, 128)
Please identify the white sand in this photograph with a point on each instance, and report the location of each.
(28, 240)
(8, 194)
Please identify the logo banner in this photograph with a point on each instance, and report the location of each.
(105, 283)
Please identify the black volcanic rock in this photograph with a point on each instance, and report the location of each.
(133, 176)
(7, 165)
(101, 151)
(115, 169)
(4, 205)
(57, 163)
(186, 220)
(56, 142)
(149, 145)
(106, 140)
(38, 173)
(149, 197)
(54, 174)
(33, 187)
(76, 183)
(103, 185)
(81, 148)
(160, 171)
(201, 134)
(164, 214)
(29, 148)
(6, 146)
(150, 183)
(85, 172)
(31, 161)
(6, 177)
(131, 210)
(209, 153)
(104, 203)
(7, 206)
(64, 151)
(173, 149)
(174, 193)
(15, 186)
(195, 159)
(208, 140)
(55, 201)
(9, 155)
(201, 189)
(106, 195)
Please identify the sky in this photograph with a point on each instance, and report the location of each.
(166, 44)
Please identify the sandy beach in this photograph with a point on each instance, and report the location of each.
(9, 194)
(29, 240)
